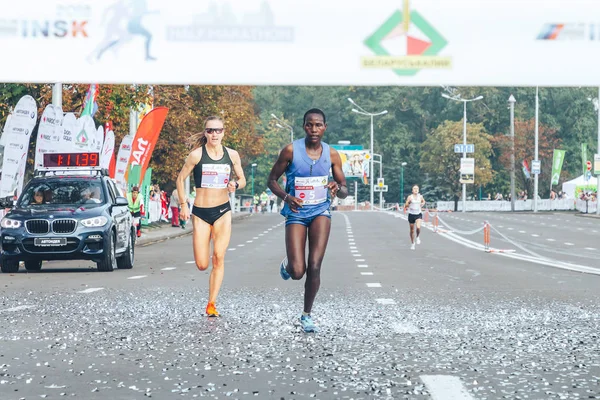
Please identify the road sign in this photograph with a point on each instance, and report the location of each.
(536, 167)
(380, 182)
(596, 164)
(588, 165)
(383, 188)
(464, 148)
(467, 170)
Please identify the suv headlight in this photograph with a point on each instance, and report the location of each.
(8, 223)
(94, 222)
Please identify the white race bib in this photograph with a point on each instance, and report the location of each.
(312, 189)
(215, 176)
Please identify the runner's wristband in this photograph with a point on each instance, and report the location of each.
(286, 196)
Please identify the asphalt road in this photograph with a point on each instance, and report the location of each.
(446, 321)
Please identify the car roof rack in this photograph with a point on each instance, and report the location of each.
(72, 171)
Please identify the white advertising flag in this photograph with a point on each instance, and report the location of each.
(107, 150)
(69, 133)
(123, 161)
(18, 131)
(86, 134)
(99, 139)
(46, 137)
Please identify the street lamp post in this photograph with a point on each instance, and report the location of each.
(465, 101)
(253, 166)
(368, 114)
(283, 125)
(511, 102)
(402, 182)
(380, 162)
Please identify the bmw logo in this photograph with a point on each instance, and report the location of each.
(50, 216)
(32, 115)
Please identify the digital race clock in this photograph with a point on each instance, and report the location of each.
(54, 160)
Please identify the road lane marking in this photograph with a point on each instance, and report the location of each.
(138, 277)
(385, 301)
(374, 284)
(354, 251)
(522, 232)
(356, 255)
(363, 266)
(366, 273)
(360, 259)
(231, 249)
(569, 244)
(91, 290)
(445, 387)
(535, 235)
(190, 262)
(17, 308)
(352, 247)
(249, 241)
(169, 268)
(241, 245)
(551, 240)
(590, 248)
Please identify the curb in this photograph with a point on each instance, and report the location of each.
(144, 241)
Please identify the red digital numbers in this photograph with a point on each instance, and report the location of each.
(54, 160)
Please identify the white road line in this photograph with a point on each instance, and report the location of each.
(360, 259)
(579, 229)
(249, 241)
(350, 236)
(261, 234)
(522, 232)
(241, 245)
(255, 237)
(17, 308)
(510, 229)
(363, 266)
(352, 247)
(91, 290)
(356, 255)
(366, 273)
(138, 277)
(551, 240)
(385, 301)
(569, 244)
(231, 249)
(376, 284)
(169, 268)
(590, 248)
(354, 251)
(190, 262)
(594, 231)
(534, 235)
(445, 387)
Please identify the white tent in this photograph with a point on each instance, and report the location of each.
(569, 186)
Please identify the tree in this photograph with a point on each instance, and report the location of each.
(439, 160)
(548, 140)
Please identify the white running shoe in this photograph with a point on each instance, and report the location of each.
(418, 241)
(412, 246)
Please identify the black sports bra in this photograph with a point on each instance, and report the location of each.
(213, 174)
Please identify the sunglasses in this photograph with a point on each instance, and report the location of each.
(211, 130)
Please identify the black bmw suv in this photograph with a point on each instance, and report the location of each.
(68, 216)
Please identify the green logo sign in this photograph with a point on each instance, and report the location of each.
(82, 137)
(418, 40)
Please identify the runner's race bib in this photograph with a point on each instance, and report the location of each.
(215, 176)
(312, 189)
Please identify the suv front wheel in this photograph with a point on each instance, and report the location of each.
(33, 265)
(109, 261)
(10, 266)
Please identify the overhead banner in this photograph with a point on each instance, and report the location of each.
(16, 145)
(262, 42)
(145, 139)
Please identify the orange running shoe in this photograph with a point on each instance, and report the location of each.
(211, 310)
